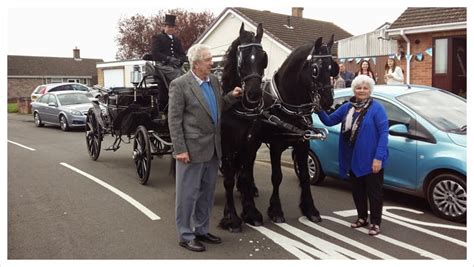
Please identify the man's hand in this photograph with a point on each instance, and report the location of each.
(183, 157)
(237, 92)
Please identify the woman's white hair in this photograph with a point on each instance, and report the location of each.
(195, 53)
(363, 79)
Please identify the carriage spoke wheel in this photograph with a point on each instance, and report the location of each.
(142, 154)
(93, 135)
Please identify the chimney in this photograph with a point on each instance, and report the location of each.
(76, 53)
(297, 12)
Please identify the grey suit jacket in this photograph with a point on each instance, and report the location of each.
(189, 118)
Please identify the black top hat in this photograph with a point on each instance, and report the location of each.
(170, 20)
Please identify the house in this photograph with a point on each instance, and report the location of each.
(435, 41)
(428, 43)
(27, 72)
(282, 33)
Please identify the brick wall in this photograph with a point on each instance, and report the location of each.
(22, 87)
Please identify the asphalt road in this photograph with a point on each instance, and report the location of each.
(62, 205)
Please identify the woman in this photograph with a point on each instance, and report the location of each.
(362, 149)
(393, 73)
(365, 69)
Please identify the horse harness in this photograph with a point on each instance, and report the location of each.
(302, 111)
(249, 112)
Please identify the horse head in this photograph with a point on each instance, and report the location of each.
(245, 63)
(321, 67)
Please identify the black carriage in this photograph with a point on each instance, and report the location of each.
(135, 113)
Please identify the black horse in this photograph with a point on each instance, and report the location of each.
(301, 86)
(245, 62)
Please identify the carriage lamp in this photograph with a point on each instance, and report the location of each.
(136, 75)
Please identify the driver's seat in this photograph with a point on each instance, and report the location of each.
(154, 77)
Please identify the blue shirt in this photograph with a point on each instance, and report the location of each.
(371, 142)
(209, 96)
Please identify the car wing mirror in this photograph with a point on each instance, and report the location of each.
(52, 104)
(398, 130)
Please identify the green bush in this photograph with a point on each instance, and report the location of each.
(12, 107)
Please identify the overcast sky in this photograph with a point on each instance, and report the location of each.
(56, 31)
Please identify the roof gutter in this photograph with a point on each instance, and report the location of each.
(402, 33)
(429, 28)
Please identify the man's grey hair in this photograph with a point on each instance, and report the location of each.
(195, 53)
(363, 79)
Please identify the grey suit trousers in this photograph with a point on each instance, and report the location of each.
(195, 184)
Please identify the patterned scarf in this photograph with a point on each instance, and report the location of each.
(350, 125)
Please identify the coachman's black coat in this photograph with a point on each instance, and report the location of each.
(163, 47)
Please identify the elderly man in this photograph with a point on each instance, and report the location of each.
(194, 119)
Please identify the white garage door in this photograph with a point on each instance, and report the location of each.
(113, 78)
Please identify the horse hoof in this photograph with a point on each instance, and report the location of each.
(278, 219)
(315, 219)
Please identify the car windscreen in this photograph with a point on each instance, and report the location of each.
(73, 99)
(445, 111)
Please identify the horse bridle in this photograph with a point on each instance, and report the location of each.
(259, 103)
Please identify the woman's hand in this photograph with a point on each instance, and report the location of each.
(376, 166)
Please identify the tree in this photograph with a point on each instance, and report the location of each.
(135, 33)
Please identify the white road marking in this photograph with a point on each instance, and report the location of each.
(121, 194)
(349, 241)
(405, 219)
(401, 221)
(20, 145)
(332, 251)
(390, 240)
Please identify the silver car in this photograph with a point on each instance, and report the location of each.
(64, 108)
(54, 87)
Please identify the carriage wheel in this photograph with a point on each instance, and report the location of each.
(93, 135)
(142, 154)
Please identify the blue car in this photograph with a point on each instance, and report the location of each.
(427, 146)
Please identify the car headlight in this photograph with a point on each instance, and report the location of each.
(75, 112)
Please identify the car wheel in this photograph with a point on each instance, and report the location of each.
(447, 195)
(316, 175)
(38, 121)
(63, 123)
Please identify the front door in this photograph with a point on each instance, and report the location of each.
(449, 64)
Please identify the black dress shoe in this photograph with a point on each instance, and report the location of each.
(209, 238)
(193, 245)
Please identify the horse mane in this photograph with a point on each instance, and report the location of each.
(287, 75)
(230, 75)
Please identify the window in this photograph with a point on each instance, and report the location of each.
(52, 99)
(441, 56)
(395, 115)
(73, 80)
(56, 80)
(61, 88)
(44, 99)
(78, 87)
